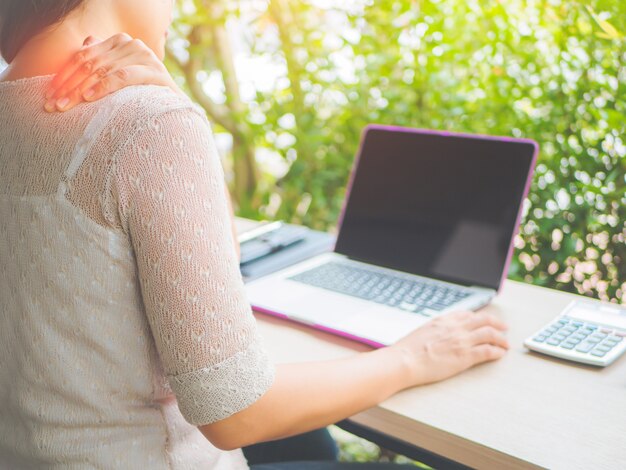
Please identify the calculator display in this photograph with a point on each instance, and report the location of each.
(605, 315)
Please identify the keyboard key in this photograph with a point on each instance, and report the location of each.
(438, 306)
(585, 347)
(408, 306)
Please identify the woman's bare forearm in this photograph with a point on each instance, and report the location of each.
(308, 396)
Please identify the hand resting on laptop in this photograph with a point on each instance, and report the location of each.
(452, 343)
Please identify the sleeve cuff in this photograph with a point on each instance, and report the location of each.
(217, 392)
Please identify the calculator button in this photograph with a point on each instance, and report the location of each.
(591, 327)
(579, 336)
(616, 337)
(559, 337)
(568, 329)
(553, 342)
(568, 345)
(598, 353)
(540, 338)
(577, 324)
(585, 347)
(602, 347)
(606, 330)
(621, 334)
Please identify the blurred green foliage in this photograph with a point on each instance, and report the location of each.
(355, 449)
(550, 70)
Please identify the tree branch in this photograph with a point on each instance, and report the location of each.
(220, 114)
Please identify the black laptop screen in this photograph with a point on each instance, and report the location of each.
(438, 205)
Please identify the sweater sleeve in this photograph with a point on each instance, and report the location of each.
(169, 191)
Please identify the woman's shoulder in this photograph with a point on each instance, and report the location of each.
(148, 101)
(142, 108)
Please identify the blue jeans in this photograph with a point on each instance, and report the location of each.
(315, 450)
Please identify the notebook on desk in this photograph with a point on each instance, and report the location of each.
(427, 228)
(285, 245)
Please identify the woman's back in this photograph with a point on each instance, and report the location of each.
(101, 298)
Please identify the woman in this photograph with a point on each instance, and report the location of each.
(125, 335)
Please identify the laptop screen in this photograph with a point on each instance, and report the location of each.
(439, 205)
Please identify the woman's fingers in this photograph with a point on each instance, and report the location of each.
(488, 335)
(84, 58)
(83, 64)
(124, 76)
(74, 91)
(480, 319)
(487, 352)
(107, 67)
(122, 73)
(127, 72)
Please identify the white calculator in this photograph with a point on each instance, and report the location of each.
(586, 331)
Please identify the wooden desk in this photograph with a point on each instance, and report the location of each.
(524, 411)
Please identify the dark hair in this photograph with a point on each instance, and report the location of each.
(21, 20)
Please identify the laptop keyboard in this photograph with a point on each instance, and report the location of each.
(412, 295)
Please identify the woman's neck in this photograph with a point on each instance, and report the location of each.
(46, 53)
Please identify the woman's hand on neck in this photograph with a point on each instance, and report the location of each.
(46, 53)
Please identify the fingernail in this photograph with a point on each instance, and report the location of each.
(49, 106)
(89, 93)
(63, 102)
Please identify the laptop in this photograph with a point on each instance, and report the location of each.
(427, 228)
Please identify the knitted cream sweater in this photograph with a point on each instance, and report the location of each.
(123, 319)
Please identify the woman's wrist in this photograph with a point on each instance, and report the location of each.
(402, 367)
